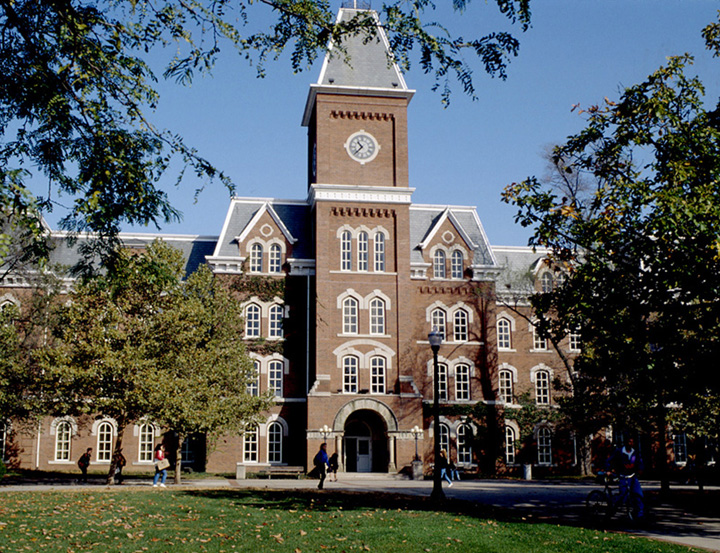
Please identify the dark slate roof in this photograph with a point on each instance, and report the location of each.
(518, 264)
(295, 215)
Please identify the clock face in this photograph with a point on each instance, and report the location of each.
(362, 147)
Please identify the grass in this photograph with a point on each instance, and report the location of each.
(111, 520)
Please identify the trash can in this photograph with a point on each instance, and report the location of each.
(417, 470)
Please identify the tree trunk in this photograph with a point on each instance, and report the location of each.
(662, 455)
(116, 449)
(178, 458)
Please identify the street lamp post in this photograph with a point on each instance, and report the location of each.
(325, 431)
(416, 433)
(435, 339)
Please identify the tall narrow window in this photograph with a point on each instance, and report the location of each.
(252, 321)
(3, 439)
(276, 321)
(350, 316)
(462, 382)
(377, 317)
(574, 341)
(546, 282)
(456, 264)
(439, 264)
(63, 431)
(346, 251)
(442, 382)
(362, 251)
(275, 378)
(146, 439)
(506, 386)
(104, 442)
(275, 259)
(250, 445)
(350, 374)
(460, 325)
(544, 446)
(680, 448)
(504, 334)
(377, 375)
(539, 343)
(253, 387)
(188, 450)
(256, 258)
(444, 437)
(438, 322)
(275, 439)
(464, 444)
(509, 445)
(379, 252)
(542, 388)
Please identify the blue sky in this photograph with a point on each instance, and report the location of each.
(577, 51)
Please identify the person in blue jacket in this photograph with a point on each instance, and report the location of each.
(321, 462)
(627, 463)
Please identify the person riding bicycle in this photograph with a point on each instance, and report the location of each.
(627, 463)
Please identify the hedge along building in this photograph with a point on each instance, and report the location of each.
(340, 291)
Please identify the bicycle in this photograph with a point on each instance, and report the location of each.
(606, 503)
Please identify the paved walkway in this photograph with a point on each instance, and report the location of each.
(539, 499)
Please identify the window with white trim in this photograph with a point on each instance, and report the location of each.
(379, 252)
(544, 445)
(546, 282)
(275, 378)
(276, 321)
(346, 251)
(250, 445)
(439, 264)
(444, 437)
(456, 264)
(362, 250)
(253, 386)
(464, 444)
(63, 433)
(680, 448)
(252, 321)
(509, 445)
(3, 439)
(442, 382)
(275, 259)
(256, 258)
(350, 316)
(542, 388)
(146, 440)
(505, 389)
(539, 343)
(350, 374)
(377, 317)
(504, 334)
(460, 326)
(462, 382)
(377, 375)
(104, 442)
(438, 319)
(574, 341)
(275, 441)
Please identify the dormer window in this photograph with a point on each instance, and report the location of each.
(256, 258)
(439, 264)
(546, 282)
(275, 259)
(456, 264)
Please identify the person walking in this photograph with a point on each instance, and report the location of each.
(120, 462)
(161, 466)
(333, 466)
(444, 465)
(321, 462)
(83, 464)
(453, 470)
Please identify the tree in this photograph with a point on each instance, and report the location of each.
(76, 89)
(639, 252)
(118, 338)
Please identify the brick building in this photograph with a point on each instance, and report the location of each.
(358, 276)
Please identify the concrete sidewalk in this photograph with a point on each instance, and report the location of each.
(558, 501)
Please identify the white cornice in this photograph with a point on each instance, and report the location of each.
(363, 194)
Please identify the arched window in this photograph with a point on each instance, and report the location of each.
(439, 264)
(275, 378)
(544, 446)
(256, 258)
(377, 375)
(464, 444)
(253, 387)
(250, 445)
(509, 445)
(276, 321)
(444, 437)
(442, 382)
(456, 264)
(460, 325)
(462, 382)
(377, 317)
(504, 334)
(63, 433)
(104, 442)
(546, 282)
(346, 251)
(505, 390)
(379, 252)
(252, 321)
(350, 316)
(350, 374)
(362, 251)
(542, 388)
(275, 442)
(438, 321)
(275, 259)
(146, 439)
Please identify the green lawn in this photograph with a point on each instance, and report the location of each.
(81, 520)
